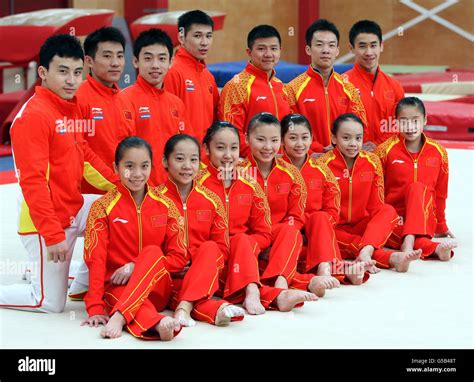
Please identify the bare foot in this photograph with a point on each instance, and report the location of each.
(183, 314)
(443, 250)
(288, 299)
(166, 328)
(252, 300)
(319, 284)
(281, 282)
(365, 254)
(408, 243)
(401, 260)
(114, 326)
(226, 312)
(355, 271)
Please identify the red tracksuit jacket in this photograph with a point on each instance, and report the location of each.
(322, 105)
(204, 217)
(117, 231)
(51, 158)
(285, 190)
(324, 193)
(112, 120)
(430, 167)
(157, 115)
(249, 93)
(246, 205)
(190, 80)
(380, 94)
(362, 188)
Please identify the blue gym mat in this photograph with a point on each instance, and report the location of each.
(285, 71)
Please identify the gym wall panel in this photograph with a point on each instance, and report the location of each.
(241, 16)
(426, 43)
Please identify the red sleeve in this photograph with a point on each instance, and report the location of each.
(260, 224)
(31, 146)
(96, 173)
(233, 109)
(96, 242)
(442, 195)
(316, 147)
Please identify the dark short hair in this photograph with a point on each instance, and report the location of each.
(175, 139)
(294, 119)
(130, 143)
(262, 118)
(410, 101)
(344, 118)
(262, 31)
(105, 34)
(186, 20)
(365, 26)
(321, 25)
(151, 37)
(216, 127)
(62, 45)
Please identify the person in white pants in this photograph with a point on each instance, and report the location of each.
(47, 291)
(51, 158)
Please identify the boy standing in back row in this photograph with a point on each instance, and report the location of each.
(256, 89)
(379, 92)
(321, 94)
(188, 77)
(157, 114)
(97, 97)
(51, 158)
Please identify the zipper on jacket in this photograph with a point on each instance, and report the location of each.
(140, 228)
(274, 99)
(186, 233)
(328, 111)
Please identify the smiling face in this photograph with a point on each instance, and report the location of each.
(265, 53)
(264, 141)
(323, 50)
(63, 76)
(183, 163)
(297, 141)
(197, 41)
(134, 168)
(349, 138)
(153, 63)
(367, 49)
(411, 121)
(223, 150)
(108, 64)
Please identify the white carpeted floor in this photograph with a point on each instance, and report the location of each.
(431, 306)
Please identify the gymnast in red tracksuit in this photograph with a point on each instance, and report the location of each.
(365, 220)
(205, 236)
(132, 234)
(321, 255)
(416, 184)
(286, 193)
(250, 229)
